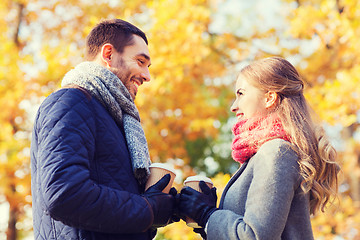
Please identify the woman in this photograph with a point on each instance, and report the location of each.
(288, 169)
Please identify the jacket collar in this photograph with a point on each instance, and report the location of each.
(232, 180)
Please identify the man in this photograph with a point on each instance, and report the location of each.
(89, 155)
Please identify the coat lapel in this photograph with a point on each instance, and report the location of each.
(231, 181)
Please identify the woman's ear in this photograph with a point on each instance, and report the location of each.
(106, 54)
(271, 99)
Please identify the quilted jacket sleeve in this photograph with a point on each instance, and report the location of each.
(65, 138)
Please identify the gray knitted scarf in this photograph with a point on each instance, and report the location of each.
(106, 87)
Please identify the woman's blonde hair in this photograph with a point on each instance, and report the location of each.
(317, 157)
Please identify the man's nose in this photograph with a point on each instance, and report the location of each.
(146, 75)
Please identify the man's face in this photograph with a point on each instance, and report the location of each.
(132, 65)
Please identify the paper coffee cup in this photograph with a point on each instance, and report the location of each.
(193, 182)
(157, 171)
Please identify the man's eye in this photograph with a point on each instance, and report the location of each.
(141, 61)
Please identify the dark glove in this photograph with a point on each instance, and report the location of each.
(175, 217)
(162, 204)
(177, 212)
(200, 231)
(196, 205)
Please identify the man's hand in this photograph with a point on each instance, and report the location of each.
(162, 204)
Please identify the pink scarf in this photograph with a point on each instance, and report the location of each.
(250, 134)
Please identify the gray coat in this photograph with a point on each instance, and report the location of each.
(263, 200)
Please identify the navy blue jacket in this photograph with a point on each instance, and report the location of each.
(83, 186)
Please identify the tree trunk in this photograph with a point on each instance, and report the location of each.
(18, 23)
(354, 155)
(11, 231)
(355, 178)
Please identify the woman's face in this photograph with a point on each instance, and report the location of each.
(250, 101)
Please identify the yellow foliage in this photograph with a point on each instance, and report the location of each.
(332, 76)
(176, 102)
(341, 219)
(178, 105)
(332, 71)
(178, 231)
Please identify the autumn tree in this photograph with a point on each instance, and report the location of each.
(186, 105)
(14, 141)
(42, 40)
(332, 70)
(328, 60)
(39, 43)
(183, 109)
(320, 37)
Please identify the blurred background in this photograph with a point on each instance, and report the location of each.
(197, 49)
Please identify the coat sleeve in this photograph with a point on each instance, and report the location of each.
(65, 130)
(269, 198)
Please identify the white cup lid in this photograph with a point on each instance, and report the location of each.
(164, 166)
(198, 178)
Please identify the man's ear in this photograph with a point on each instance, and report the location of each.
(271, 99)
(106, 54)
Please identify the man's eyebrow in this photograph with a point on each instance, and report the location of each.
(145, 56)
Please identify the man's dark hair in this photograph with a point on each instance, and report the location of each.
(117, 32)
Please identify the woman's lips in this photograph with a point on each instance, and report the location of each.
(239, 115)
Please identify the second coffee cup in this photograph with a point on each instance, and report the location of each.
(193, 182)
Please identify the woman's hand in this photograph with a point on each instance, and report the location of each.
(198, 205)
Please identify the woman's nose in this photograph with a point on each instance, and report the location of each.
(234, 106)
